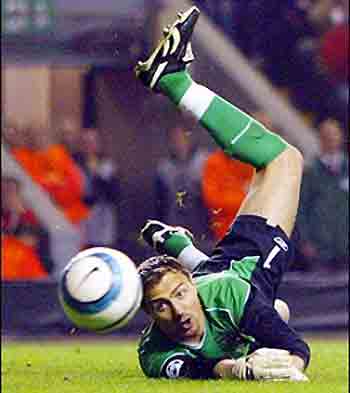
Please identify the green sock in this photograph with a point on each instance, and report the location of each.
(237, 133)
(180, 246)
(175, 244)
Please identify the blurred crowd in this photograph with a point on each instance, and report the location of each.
(193, 187)
(25, 250)
(300, 45)
(203, 191)
(322, 231)
(80, 180)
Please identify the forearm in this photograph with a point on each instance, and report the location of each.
(269, 330)
(223, 369)
(264, 364)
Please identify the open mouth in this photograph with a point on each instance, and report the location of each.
(186, 325)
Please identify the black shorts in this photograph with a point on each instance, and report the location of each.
(251, 236)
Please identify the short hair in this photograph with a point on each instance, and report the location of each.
(153, 269)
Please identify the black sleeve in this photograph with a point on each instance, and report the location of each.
(263, 322)
(181, 366)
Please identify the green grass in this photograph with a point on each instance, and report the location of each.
(111, 367)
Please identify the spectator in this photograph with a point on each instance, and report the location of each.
(334, 56)
(323, 14)
(284, 23)
(178, 184)
(288, 51)
(50, 165)
(25, 243)
(69, 136)
(15, 135)
(224, 194)
(14, 214)
(102, 191)
(221, 200)
(323, 220)
(335, 52)
(303, 51)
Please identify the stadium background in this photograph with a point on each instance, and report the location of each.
(74, 60)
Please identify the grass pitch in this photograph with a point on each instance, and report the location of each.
(112, 367)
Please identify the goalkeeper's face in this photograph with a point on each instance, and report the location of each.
(174, 305)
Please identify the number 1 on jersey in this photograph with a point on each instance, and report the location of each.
(272, 254)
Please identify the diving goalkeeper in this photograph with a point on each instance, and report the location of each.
(214, 317)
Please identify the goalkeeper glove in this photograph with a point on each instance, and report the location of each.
(166, 239)
(267, 364)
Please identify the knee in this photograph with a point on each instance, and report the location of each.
(295, 156)
(291, 161)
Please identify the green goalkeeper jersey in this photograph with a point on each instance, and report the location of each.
(223, 296)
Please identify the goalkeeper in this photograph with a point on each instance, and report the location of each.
(214, 317)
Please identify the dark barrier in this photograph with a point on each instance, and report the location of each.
(30, 308)
(317, 301)
(33, 308)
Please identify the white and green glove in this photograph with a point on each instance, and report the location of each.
(166, 239)
(174, 241)
(267, 364)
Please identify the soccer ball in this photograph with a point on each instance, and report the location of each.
(100, 289)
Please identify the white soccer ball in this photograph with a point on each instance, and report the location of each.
(100, 289)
